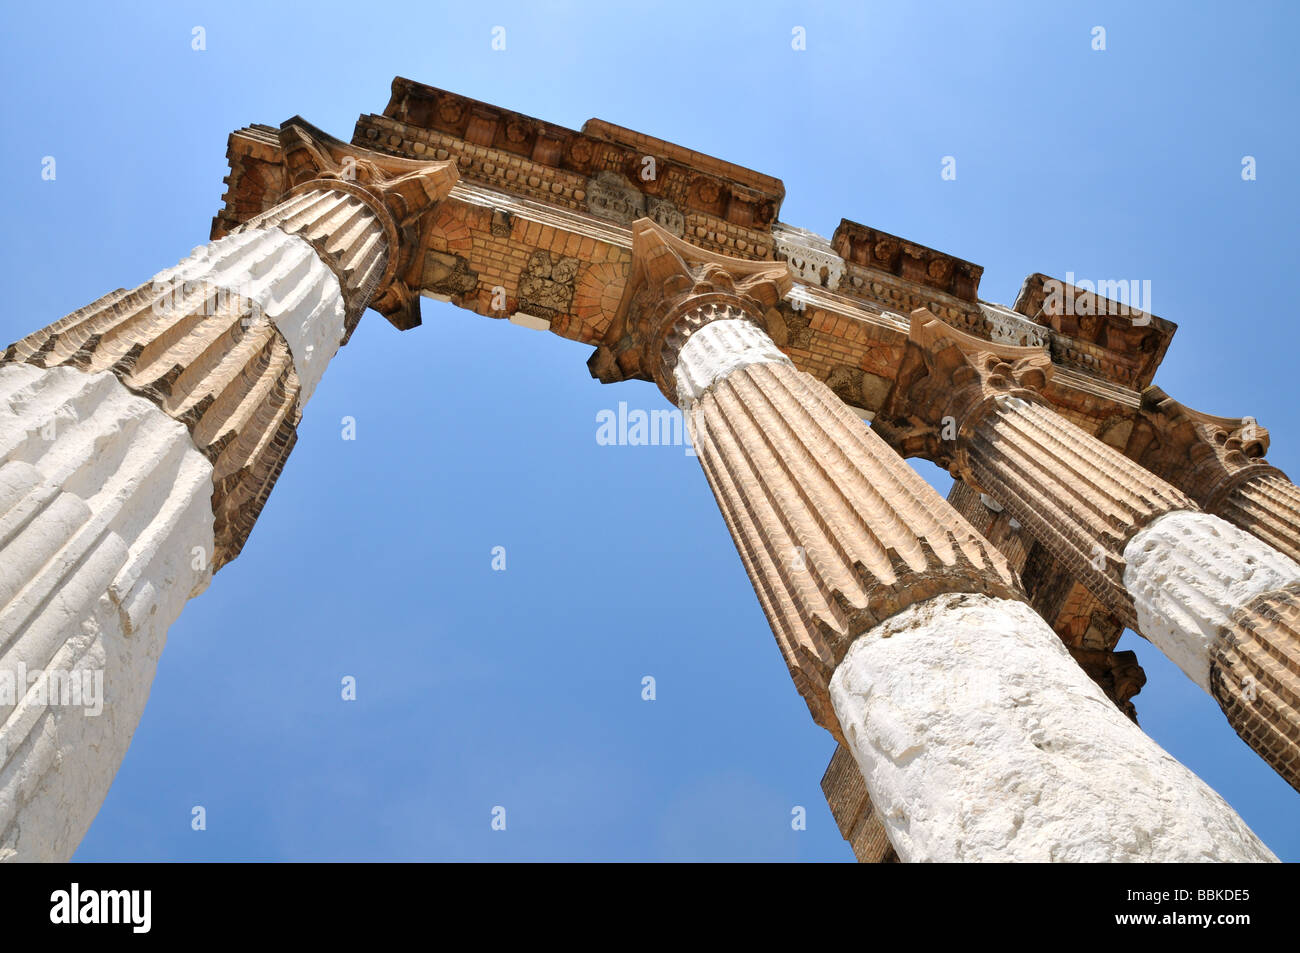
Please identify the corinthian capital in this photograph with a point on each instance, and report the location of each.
(398, 192)
(1203, 455)
(674, 289)
(946, 380)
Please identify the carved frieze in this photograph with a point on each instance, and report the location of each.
(809, 255)
(613, 196)
(546, 285)
(880, 251)
(447, 274)
(1008, 327)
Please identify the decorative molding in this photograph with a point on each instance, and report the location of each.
(880, 251)
(809, 255)
(550, 154)
(1095, 334)
(1008, 327)
(949, 375)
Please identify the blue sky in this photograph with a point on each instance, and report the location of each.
(373, 558)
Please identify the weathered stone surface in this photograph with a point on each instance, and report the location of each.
(948, 380)
(139, 438)
(546, 286)
(980, 739)
(872, 248)
(1104, 337)
(1255, 677)
(1082, 500)
(1086, 627)
(262, 272)
(272, 167)
(851, 807)
(1202, 455)
(1219, 462)
(978, 409)
(727, 343)
(347, 235)
(835, 530)
(809, 255)
(1188, 574)
(685, 302)
(1267, 505)
(1118, 674)
(837, 533)
(525, 190)
(496, 146)
(105, 532)
(231, 342)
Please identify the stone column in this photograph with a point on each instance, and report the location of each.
(139, 439)
(1179, 576)
(1219, 462)
(977, 735)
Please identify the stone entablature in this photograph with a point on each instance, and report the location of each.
(691, 181)
(880, 251)
(1106, 337)
(483, 244)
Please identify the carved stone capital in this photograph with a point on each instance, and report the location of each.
(947, 381)
(673, 290)
(397, 192)
(1205, 456)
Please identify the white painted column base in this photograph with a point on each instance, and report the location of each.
(981, 739)
(1187, 573)
(106, 531)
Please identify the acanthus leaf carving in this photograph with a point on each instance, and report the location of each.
(945, 377)
(400, 192)
(673, 289)
(1203, 455)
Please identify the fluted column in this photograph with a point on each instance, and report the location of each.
(1169, 571)
(1267, 505)
(977, 736)
(139, 439)
(836, 531)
